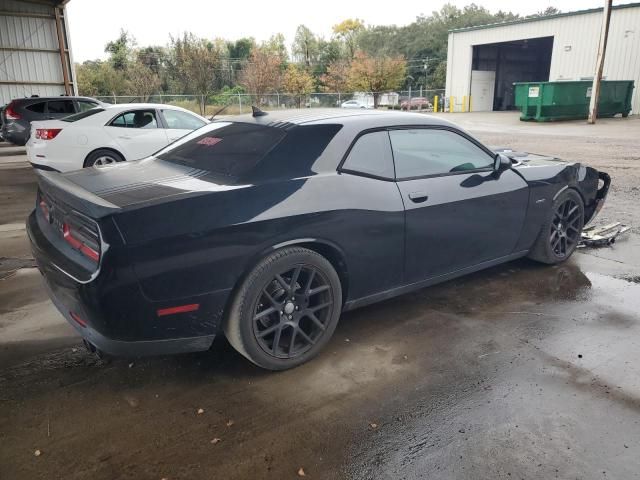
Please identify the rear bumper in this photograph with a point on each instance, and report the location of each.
(117, 318)
(121, 348)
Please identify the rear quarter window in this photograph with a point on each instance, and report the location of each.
(36, 107)
(229, 151)
(250, 151)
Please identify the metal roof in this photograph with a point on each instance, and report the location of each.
(539, 19)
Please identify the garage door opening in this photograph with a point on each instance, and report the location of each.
(503, 63)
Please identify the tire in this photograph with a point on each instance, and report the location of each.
(269, 329)
(102, 156)
(561, 231)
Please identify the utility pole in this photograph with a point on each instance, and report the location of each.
(602, 48)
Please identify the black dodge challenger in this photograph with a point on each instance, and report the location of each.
(267, 226)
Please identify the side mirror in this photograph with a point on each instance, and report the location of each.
(502, 162)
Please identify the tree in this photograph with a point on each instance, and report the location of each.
(275, 46)
(262, 73)
(376, 74)
(196, 61)
(545, 13)
(337, 77)
(348, 30)
(305, 46)
(241, 48)
(119, 50)
(297, 82)
(143, 81)
(98, 78)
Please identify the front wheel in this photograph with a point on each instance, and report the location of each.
(286, 309)
(562, 230)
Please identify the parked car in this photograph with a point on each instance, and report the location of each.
(108, 134)
(266, 228)
(19, 113)
(416, 103)
(352, 104)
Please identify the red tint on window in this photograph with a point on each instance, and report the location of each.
(209, 141)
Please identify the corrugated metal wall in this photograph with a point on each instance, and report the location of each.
(574, 53)
(30, 61)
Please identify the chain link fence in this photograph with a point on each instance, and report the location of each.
(238, 103)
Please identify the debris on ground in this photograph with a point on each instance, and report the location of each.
(602, 236)
(215, 441)
(37, 453)
(373, 426)
(229, 423)
(200, 411)
(301, 472)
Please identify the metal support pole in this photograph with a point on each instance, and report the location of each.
(63, 53)
(602, 48)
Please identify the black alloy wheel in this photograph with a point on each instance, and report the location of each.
(562, 229)
(292, 311)
(566, 228)
(286, 309)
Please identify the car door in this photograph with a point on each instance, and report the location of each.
(179, 123)
(137, 133)
(459, 211)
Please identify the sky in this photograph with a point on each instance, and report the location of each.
(92, 24)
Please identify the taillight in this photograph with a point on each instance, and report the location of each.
(10, 113)
(47, 133)
(83, 241)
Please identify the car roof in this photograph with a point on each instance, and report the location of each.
(135, 106)
(59, 97)
(370, 118)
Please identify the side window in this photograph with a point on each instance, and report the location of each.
(84, 105)
(371, 155)
(181, 120)
(138, 119)
(61, 106)
(422, 151)
(36, 107)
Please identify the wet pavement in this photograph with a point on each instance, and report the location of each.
(520, 371)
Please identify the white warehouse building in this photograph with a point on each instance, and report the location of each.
(483, 62)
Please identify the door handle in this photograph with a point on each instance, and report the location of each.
(418, 197)
(125, 137)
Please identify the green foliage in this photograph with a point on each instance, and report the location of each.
(120, 50)
(210, 68)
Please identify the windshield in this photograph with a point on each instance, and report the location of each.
(79, 116)
(224, 148)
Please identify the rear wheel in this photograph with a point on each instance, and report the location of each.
(102, 157)
(286, 310)
(562, 230)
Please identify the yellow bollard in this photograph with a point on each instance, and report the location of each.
(464, 103)
(435, 103)
(451, 100)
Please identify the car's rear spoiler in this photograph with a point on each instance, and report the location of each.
(56, 185)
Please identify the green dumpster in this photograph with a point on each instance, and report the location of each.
(548, 101)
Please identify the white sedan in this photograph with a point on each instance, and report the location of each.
(352, 104)
(107, 134)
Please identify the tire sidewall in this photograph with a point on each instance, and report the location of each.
(250, 293)
(90, 161)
